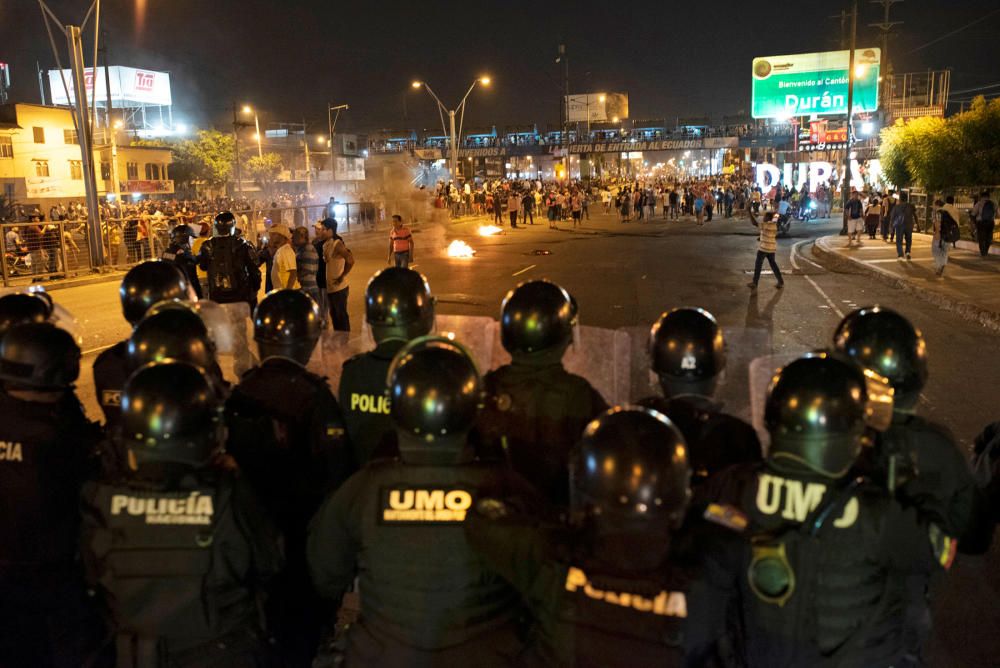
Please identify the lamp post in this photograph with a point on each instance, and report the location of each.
(247, 109)
(453, 157)
(331, 125)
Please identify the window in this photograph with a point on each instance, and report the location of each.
(8, 191)
(76, 170)
(6, 147)
(41, 167)
(70, 137)
(105, 171)
(132, 169)
(39, 135)
(150, 169)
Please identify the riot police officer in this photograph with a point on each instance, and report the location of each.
(144, 285)
(287, 435)
(231, 263)
(426, 596)
(23, 307)
(688, 354)
(175, 331)
(622, 584)
(178, 546)
(47, 449)
(535, 410)
(398, 307)
(917, 459)
(829, 549)
(179, 252)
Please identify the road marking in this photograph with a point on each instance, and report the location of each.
(824, 295)
(96, 350)
(530, 266)
(795, 252)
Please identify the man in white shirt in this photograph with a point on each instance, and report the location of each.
(284, 271)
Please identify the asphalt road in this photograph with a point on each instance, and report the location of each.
(626, 275)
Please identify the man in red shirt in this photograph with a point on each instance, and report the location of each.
(400, 243)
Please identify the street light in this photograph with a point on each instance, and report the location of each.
(331, 125)
(247, 109)
(442, 110)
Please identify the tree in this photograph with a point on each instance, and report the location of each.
(944, 153)
(212, 153)
(264, 170)
(206, 159)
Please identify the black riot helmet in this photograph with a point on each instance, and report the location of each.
(287, 323)
(399, 305)
(630, 468)
(171, 415)
(22, 307)
(179, 234)
(150, 282)
(887, 343)
(39, 356)
(435, 394)
(171, 333)
(815, 412)
(225, 224)
(537, 316)
(687, 351)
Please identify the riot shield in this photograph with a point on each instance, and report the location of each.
(240, 357)
(333, 349)
(761, 371)
(600, 355)
(61, 316)
(477, 333)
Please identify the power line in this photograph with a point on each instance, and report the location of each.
(956, 31)
(971, 90)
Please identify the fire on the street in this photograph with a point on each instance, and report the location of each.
(489, 230)
(459, 248)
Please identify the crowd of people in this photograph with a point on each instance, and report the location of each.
(420, 513)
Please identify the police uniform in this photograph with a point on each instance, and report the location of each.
(46, 453)
(286, 434)
(832, 558)
(181, 566)
(365, 404)
(181, 255)
(533, 415)
(177, 546)
(929, 471)
(233, 270)
(588, 612)
(716, 439)
(111, 370)
(427, 598)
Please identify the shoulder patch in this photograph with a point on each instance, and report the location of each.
(943, 545)
(727, 516)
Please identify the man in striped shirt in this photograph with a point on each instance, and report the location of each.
(766, 248)
(307, 261)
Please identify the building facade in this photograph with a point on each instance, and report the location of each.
(40, 160)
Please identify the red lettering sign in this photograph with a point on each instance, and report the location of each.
(144, 81)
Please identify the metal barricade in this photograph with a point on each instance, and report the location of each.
(43, 251)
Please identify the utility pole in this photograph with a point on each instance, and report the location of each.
(846, 195)
(886, 28)
(236, 150)
(564, 59)
(331, 125)
(74, 41)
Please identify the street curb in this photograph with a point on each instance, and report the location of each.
(966, 310)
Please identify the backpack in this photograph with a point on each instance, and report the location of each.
(949, 229)
(989, 212)
(228, 278)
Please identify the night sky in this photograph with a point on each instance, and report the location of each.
(289, 57)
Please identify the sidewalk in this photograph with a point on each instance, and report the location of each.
(969, 287)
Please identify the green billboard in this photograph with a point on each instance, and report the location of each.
(814, 83)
